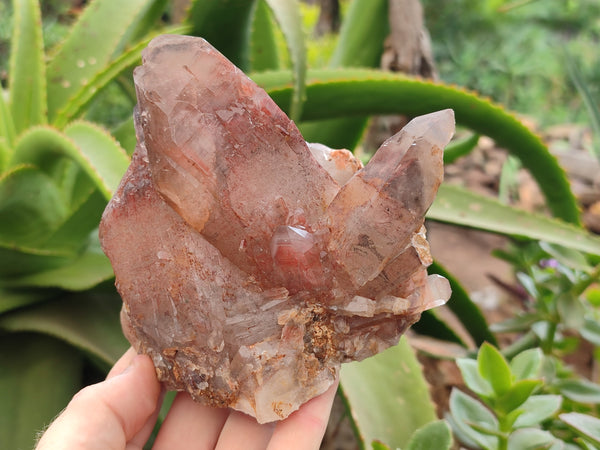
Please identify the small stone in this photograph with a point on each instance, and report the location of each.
(252, 264)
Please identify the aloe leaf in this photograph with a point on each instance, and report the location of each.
(91, 147)
(31, 206)
(457, 149)
(105, 154)
(32, 360)
(76, 104)
(350, 92)
(287, 15)
(263, 45)
(74, 232)
(431, 325)
(464, 309)
(18, 298)
(5, 154)
(209, 18)
(7, 126)
(88, 321)
(84, 272)
(89, 47)
(344, 132)
(360, 44)
(124, 133)
(15, 262)
(146, 18)
(27, 69)
(387, 395)
(462, 207)
(362, 35)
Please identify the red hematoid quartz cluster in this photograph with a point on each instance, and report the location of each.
(252, 264)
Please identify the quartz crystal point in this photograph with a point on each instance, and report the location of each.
(252, 264)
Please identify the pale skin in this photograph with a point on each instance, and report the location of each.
(120, 413)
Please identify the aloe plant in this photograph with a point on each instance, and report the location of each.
(58, 310)
(57, 171)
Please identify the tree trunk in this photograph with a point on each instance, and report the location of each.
(407, 50)
(329, 17)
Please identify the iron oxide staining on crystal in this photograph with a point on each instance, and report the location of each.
(252, 264)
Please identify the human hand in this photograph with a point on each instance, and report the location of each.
(120, 413)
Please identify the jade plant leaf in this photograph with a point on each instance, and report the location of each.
(436, 435)
(584, 424)
(494, 369)
(42, 376)
(468, 416)
(379, 392)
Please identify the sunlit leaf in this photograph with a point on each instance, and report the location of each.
(27, 69)
(516, 395)
(494, 368)
(287, 15)
(7, 130)
(263, 45)
(87, 92)
(101, 27)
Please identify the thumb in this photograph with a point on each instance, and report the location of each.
(109, 414)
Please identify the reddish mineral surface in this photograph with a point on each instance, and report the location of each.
(252, 264)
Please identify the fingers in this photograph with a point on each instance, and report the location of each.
(190, 425)
(304, 429)
(109, 414)
(244, 432)
(122, 364)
